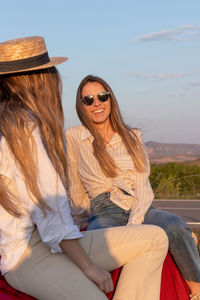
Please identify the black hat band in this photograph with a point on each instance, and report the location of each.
(26, 63)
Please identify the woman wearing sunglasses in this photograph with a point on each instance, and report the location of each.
(109, 176)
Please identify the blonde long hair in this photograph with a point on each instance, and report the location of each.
(29, 100)
(127, 135)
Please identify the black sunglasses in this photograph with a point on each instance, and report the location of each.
(89, 99)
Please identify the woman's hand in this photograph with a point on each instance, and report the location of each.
(101, 277)
(98, 275)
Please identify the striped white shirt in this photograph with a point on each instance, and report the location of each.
(87, 180)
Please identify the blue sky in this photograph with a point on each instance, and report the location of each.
(148, 51)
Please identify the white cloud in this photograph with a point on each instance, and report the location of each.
(193, 83)
(187, 26)
(181, 33)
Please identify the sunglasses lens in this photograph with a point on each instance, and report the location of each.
(88, 100)
(103, 96)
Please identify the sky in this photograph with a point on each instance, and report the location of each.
(148, 52)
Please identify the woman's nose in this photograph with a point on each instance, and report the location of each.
(96, 101)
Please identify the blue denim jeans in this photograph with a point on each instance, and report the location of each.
(104, 213)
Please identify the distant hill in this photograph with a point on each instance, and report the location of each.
(195, 162)
(163, 152)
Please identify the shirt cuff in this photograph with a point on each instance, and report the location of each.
(73, 234)
(137, 221)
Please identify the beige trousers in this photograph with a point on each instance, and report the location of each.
(140, 249)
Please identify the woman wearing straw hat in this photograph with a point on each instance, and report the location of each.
(42, 252)
(109, 176)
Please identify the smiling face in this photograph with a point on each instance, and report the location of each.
(98, 112)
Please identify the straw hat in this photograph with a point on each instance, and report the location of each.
(26, 54)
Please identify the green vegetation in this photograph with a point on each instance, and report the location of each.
(175, 180)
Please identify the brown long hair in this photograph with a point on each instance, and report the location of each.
(29, 100)
(127, 134)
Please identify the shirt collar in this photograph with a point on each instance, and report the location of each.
(115, 139)
(87, 135)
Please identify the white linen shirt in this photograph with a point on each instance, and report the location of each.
(87, 180)
(58, 225)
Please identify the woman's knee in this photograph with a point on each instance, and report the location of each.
(155, 234)
(160, 237)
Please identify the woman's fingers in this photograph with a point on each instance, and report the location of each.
(101, 277)
(107, 284)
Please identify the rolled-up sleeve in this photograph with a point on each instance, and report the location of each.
(143, 191)
(56, 226)
(144, 196)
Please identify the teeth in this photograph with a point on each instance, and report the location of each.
(98, 111)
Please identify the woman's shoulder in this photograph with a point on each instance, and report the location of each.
(137, 132)
(74, 132)
(74, 129)
(4, 147)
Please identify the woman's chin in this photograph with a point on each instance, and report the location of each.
(98, 120)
